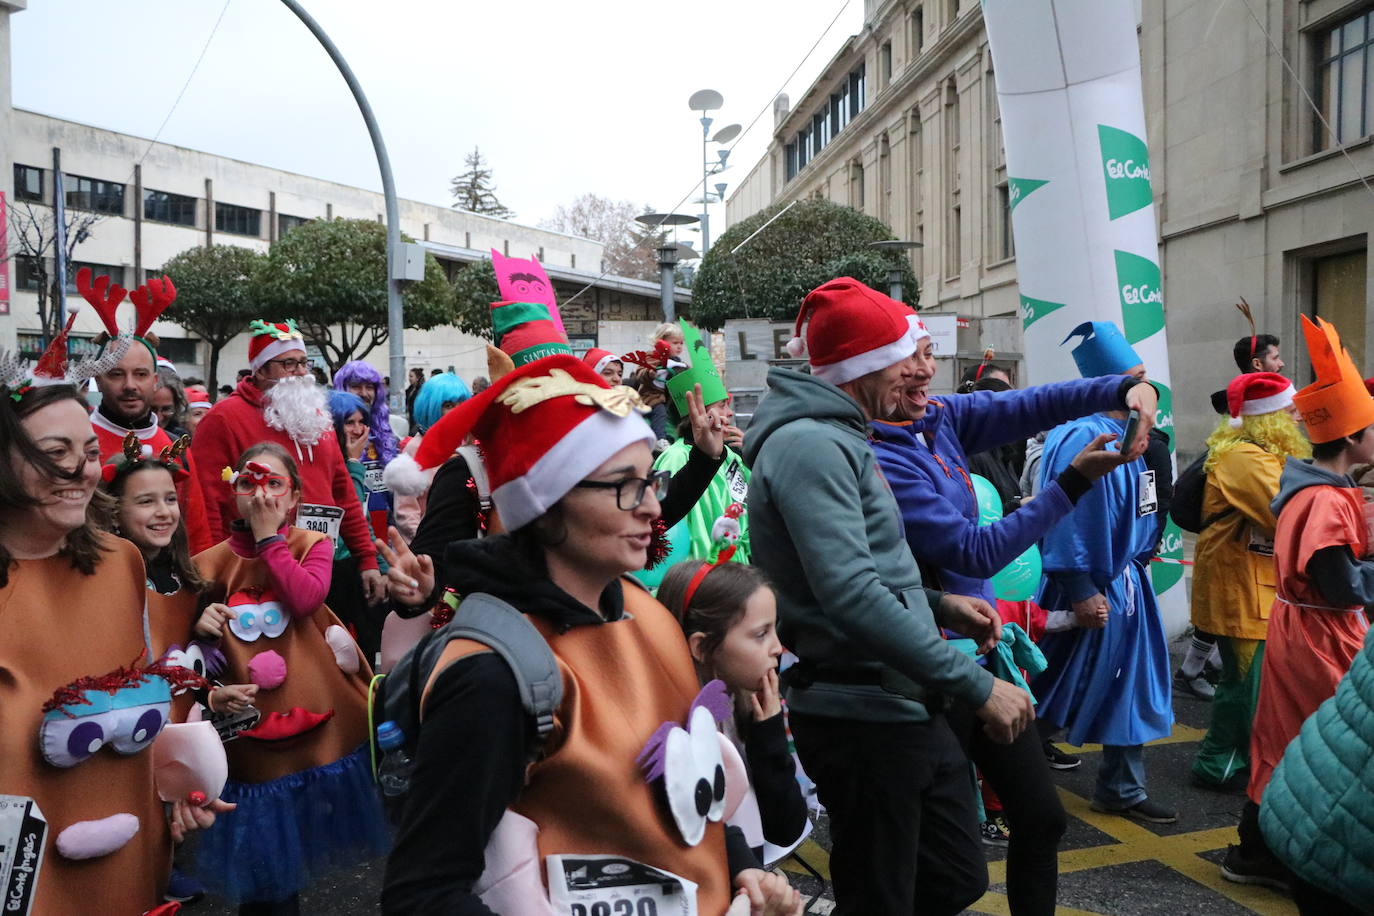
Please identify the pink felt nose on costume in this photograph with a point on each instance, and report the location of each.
(267, 670)
(93, 839)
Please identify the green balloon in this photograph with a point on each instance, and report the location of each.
(989, 502)
(1019, 579)
(679, 548)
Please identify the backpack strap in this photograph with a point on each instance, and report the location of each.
(472, 457)
(488, 620)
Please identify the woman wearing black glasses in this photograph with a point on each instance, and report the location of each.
(569, 464)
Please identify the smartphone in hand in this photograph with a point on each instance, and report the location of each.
(1128, 437)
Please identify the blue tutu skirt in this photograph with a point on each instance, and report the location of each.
(286, 833)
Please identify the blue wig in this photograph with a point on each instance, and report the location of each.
(342, 404)
(438, 390)
(383, 439)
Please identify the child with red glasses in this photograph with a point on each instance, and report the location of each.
(302, 774)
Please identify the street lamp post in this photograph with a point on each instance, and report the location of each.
(669, 253)
(395, 323)
(704, 100)
(894, 273)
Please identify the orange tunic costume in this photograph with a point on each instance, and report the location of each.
(587, 794)
(1311, 643)
(57, 625)
(306, 756)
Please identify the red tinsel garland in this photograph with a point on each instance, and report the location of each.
(658, 546)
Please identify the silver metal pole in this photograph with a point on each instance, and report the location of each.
(395, 322)
(705, 203)
(666, 291)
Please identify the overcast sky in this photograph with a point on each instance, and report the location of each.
(562, 97)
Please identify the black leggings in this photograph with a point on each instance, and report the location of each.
(1020, 775)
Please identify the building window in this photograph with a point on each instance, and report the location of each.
(1006, 243)
(1345, 64)
(165, 207)
(790, 157)
(951, 11)
(918, 30)
(953, 245)
(113, 271)
(286, 222)
(26, 273)
(857, 91)
(856, 185)
(1339, 295)
(28, 183)
(885, 65)
(237, 220)
(94, 194)
(820, 130)
(803, 148)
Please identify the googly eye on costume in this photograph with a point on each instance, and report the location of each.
(272, 619)
(192, 657)
(247, 626)
(127, 716)
(690, 765)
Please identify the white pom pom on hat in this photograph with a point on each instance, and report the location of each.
(796, 348)
(404, 475)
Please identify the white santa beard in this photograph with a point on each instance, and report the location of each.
(297, 406)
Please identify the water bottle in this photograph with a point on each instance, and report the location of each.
(393, 773)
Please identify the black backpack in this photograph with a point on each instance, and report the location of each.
(1186, 509)
(494, 623)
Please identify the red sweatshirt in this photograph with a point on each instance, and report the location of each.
(234, 424)
(189, 493)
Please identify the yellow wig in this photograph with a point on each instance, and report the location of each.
(1274, 432)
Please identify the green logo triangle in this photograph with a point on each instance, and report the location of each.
(1126, 168)
(1142, 295)
(1019, 188)
(1032, 310)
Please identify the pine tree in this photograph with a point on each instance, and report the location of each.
(474, 191)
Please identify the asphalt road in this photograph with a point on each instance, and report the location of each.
(1108, 865)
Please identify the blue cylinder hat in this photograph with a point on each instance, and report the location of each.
(1104, 350)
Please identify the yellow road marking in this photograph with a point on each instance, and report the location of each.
(1134, 843)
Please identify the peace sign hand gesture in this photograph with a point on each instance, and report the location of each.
(411, 575)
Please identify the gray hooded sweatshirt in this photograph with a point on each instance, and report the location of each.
(827, 531)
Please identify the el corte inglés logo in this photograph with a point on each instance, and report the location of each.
(1126, 167)
(1020, 188)
(1032, 310)
(1142, 295)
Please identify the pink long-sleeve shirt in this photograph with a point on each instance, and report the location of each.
(301, 585)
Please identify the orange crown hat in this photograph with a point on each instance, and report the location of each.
(1337, 403)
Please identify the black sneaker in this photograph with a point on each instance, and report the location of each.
(995, 832)
(1146, 810)
(1058, 760)
(1236, 867)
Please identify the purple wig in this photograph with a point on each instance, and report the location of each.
(383, 439)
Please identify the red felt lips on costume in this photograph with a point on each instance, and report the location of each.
(276, 726)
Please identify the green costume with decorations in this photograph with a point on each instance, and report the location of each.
(730, 485)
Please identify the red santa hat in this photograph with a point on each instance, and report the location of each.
(598, 359)
(197, 396)
(543, 426)
(853, 330)
(272, 339)
(1256, 393)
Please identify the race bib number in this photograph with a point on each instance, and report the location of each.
(372, 477)
(734, 477)
(1149, 498)
(327, 520)
(1260, 544)
(616, 886)
(22, 829)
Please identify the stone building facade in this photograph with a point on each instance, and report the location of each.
(1255, 197)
